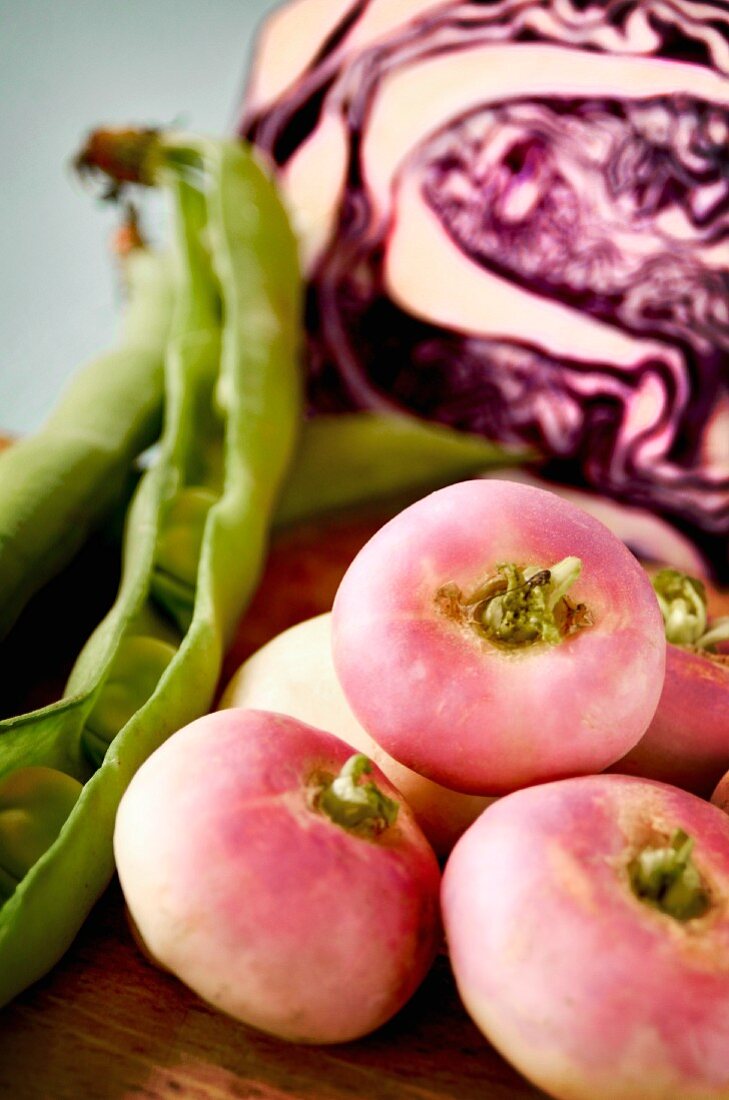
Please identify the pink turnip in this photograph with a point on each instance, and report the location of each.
(588, 928)
(720, 796)
(293, 674)
(493, 635)
(687, 741)
(264, 867)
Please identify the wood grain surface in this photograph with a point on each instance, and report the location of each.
(107, 1024)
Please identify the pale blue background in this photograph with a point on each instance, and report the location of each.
(65, 66)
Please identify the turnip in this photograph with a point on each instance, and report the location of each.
(588, 929)
(266, 868)
(294, 674)
(493, 635)
(687, 741)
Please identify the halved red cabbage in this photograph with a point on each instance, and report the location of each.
(515, 220)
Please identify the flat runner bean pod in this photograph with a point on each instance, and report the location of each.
(56, 486)
(346, 459)
(220, 468)
(52, 736)
(39, 920)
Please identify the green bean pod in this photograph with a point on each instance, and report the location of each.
(349, 459)
(56, 486)
(144, 669)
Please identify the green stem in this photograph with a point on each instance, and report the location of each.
(139, 156)
(682, 600)
(518, 607)
(561, 578)
(358, 807)
(121, 156)
(717, 632)
(667, 879)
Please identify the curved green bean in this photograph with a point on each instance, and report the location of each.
(141, 671)
(56, 486)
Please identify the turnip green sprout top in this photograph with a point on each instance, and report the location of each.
(667, 878)
(361, 807)
(682, 600)
(520, 607)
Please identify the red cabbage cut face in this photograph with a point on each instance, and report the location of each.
(515, 220)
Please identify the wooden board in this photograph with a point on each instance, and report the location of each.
(106, 1024)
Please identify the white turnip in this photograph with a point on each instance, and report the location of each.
(588, 929)
(264, 867)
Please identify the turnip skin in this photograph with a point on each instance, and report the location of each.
(687, 741)
(720, 796)
(294, 674)
(586, 989)
(266, 908)
(469, 715)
